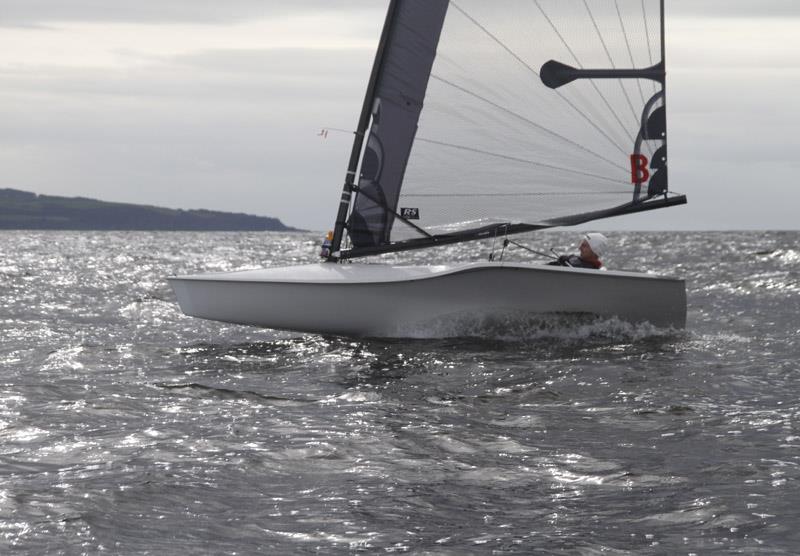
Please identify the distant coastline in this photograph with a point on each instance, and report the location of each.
(23, 210)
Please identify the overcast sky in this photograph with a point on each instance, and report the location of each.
(216, 104)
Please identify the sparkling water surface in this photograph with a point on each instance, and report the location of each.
(129, 428)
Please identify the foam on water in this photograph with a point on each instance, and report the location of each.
(521, 327)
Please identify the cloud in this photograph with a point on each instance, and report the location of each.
(30, 13)
(232, 130)
(733, 8)
(293, 75)
(206, 112)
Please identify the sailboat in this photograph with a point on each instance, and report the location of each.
(482, 120)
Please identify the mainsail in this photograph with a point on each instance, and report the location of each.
(508, 116)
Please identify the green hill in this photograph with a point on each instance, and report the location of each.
(21, 210)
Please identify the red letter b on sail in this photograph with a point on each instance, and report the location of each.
(639, 171)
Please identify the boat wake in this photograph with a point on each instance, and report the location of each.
(563, 328)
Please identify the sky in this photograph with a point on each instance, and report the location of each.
(217, 105)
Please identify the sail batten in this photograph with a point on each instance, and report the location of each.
(477, 122)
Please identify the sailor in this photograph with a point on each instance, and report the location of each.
(592, 247)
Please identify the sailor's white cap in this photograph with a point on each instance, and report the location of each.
(597, 243)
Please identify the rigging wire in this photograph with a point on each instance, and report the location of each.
(536, 73)
(516, 159)
(633, 64)
(649, 46)
(611, 61)
(630, 52)
(526, 248)
(324, 132)
(594, 85)
(526, 120)
(390, 210)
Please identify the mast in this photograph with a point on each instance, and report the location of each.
(663, 37)
(358, 141)
(664, 80)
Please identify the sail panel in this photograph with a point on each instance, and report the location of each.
(493, 144)
(399, 95)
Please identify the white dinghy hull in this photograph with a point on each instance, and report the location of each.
(365, 300)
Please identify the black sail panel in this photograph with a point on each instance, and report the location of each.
(399, 95)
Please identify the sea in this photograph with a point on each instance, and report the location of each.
(128, 428)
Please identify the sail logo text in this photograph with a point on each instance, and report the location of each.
(410, 213)
(639, 171)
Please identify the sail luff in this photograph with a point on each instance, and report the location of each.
(664, 88)
(656, 120)
(358, 141)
